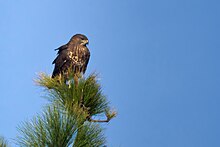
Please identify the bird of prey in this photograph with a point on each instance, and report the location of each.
(74, 55)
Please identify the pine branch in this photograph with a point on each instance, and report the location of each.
(109, 115)
(90, 135)
(101, 121)
(53, 128)
(88, 94)
(3, 142)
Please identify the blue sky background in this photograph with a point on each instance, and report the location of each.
(158, 62)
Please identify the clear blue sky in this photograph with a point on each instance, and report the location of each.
(158, 62)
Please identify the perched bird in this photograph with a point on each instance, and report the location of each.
(74, 55)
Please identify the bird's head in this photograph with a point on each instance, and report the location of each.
(79, 39)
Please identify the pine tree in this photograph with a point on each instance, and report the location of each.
(69, 119)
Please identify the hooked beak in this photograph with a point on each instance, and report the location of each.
(84, 42)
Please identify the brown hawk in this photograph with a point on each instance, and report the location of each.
(74, 55)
